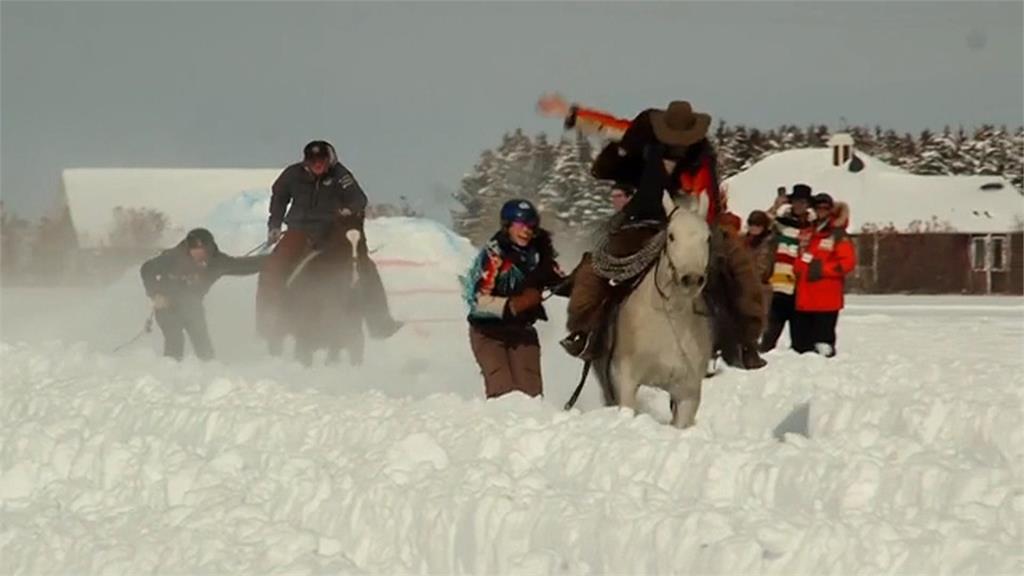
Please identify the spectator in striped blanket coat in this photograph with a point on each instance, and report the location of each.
(791, 227)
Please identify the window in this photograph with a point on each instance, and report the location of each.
(998, 261)
(978, 260)
(989, 253)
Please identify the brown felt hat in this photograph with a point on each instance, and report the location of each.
(679, 125)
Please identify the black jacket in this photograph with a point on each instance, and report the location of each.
(176, 276)
(636, 161)
(535, 267)
(313, 203)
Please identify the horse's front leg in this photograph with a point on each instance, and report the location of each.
(626, 383)
(333, 354)
(684, 408)
(304, 349)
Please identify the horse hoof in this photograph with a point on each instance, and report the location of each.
(385, 329)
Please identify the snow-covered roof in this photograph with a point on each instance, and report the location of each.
(840, 139)
(185, 196)
(880, 194)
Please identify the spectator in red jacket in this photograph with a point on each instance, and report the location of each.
(821, 273)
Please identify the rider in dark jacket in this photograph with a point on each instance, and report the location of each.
(309, 197)
(177, 281)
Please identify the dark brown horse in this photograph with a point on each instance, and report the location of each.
(323, 294)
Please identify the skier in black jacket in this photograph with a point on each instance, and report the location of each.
(177, 281)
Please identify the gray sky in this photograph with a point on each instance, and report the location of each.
(410, 93)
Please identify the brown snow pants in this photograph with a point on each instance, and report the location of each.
(591, 294)
(509, 358)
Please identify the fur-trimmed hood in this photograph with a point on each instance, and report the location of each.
(841, 215)
(838, 220)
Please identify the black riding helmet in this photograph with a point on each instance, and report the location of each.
(318, 150)
(201, 238)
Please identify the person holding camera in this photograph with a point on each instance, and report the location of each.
(790, 228)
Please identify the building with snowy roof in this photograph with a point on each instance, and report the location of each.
(913, 232)
(184, 196)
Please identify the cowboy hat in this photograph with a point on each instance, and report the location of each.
(679, 125)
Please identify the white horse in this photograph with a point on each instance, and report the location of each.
(661, 335)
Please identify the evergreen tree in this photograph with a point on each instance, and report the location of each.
(931, 159)
(477, 199)
(983, 152)
(15, 234)
(817, 136)
(517, 172)
(572, 194)
(791, 137)
(743, 148)
(1012, 149)
(55, 241)
(725, 144)
(906, 157)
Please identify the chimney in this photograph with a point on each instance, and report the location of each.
(841, 144)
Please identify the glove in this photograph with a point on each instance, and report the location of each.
(814, 271)
(160, 302)
(526, 300)
(273, 235)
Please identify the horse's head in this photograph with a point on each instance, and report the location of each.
(686, 244)
(343, 235)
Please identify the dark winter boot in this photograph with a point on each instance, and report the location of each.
(731, 355)
(379, 322)
(751, 359)
(383, 327)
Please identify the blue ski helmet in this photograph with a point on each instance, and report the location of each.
(519, 211)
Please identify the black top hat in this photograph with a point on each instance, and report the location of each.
(800, 192)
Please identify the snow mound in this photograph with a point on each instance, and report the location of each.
(886, 459)
(240, 224)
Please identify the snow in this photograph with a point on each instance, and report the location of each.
(881, 194)
(901, 455)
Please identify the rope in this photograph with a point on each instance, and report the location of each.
(258, 247)
(579, 387)
(619, 269)
(146, 329)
